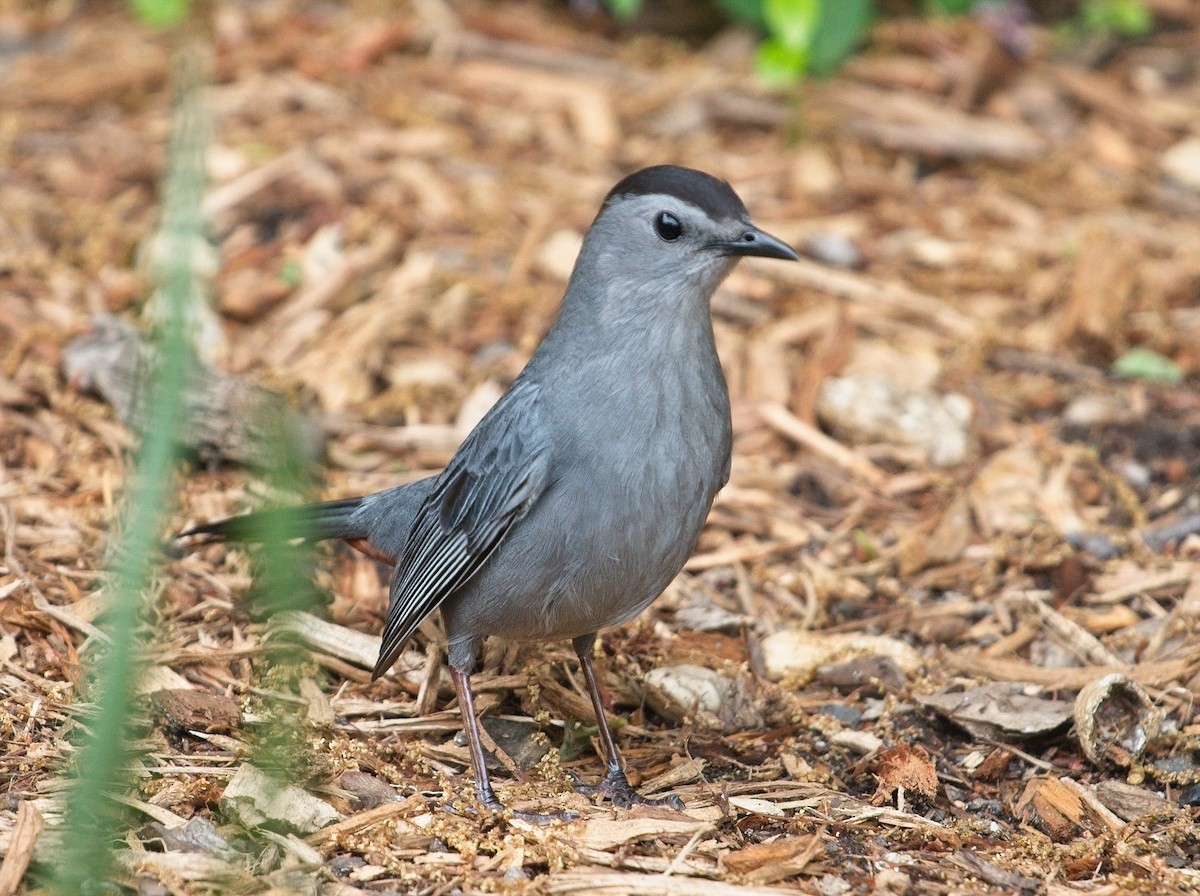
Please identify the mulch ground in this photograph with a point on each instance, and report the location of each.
(948, 649)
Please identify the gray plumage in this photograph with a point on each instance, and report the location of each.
(582, 492)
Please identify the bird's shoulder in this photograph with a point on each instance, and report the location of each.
(500, 468)
(516, 427)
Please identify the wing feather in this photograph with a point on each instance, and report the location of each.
(489, 486)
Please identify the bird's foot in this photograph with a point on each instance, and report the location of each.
(616, 788)
(490, 804)
(543, 817)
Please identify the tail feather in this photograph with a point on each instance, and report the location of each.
(312, 522)
(377, 524)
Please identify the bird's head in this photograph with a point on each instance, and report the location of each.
(674, 233)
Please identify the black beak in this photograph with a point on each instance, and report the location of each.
(757, 242)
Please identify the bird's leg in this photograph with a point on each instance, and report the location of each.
(614, 784)
(466, 705)
(483, 784)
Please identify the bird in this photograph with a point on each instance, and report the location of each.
(583, 491)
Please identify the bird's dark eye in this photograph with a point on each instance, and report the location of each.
(668, 226)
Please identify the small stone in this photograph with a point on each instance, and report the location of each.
(832, 885)
(874, 675)
(342, 865)
(254, 799)
(1098, 545)
(1096, 410)
(1190, 796)
(1181, 163)
(833, 249)
(992, 807)
(1174, 765)
(557, 256)
(518, 739)
(368, 791)
(1136, 475)
(847, 715)
(869, 408)
(863, 742)
(813, 172)
(676, 691)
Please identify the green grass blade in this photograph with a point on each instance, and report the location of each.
(94, 820)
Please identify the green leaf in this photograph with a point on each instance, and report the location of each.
(779, 66)
(841, 26)
(624, 9)
(160, 13)
(791, 23)
(1145, 364)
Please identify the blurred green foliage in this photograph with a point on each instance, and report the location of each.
(1130, 18)
(813, 37)
(94, 816)
(160, 13)
(947, 7)
(801, 36)
(1149, 365)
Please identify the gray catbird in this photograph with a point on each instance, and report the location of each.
(582, 492)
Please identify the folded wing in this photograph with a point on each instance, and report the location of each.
(497, 475)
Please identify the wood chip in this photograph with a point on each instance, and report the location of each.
(21, 843)
(605, 833)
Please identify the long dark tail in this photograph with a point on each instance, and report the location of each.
(313, 522)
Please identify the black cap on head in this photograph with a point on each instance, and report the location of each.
(715, 197)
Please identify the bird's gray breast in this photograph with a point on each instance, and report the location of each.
(634, 474)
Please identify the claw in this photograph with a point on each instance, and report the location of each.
(544, 817)
(497, 810)
(616, 788)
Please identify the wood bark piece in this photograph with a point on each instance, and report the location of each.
(1100, 94)
(1063, 808)
(195, 710)
(797, 655)
(21, 842)
(227, 418)
(175, 866)
(1000, 710)
(1157, 674)
(606, 833)
(360, 821)
(587, 101)
(907, 122)
(1128, 801)
(255, 799)
(1072, 635)
(788, 424)
(328, 637)
(635, 884)
(1115, 720)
